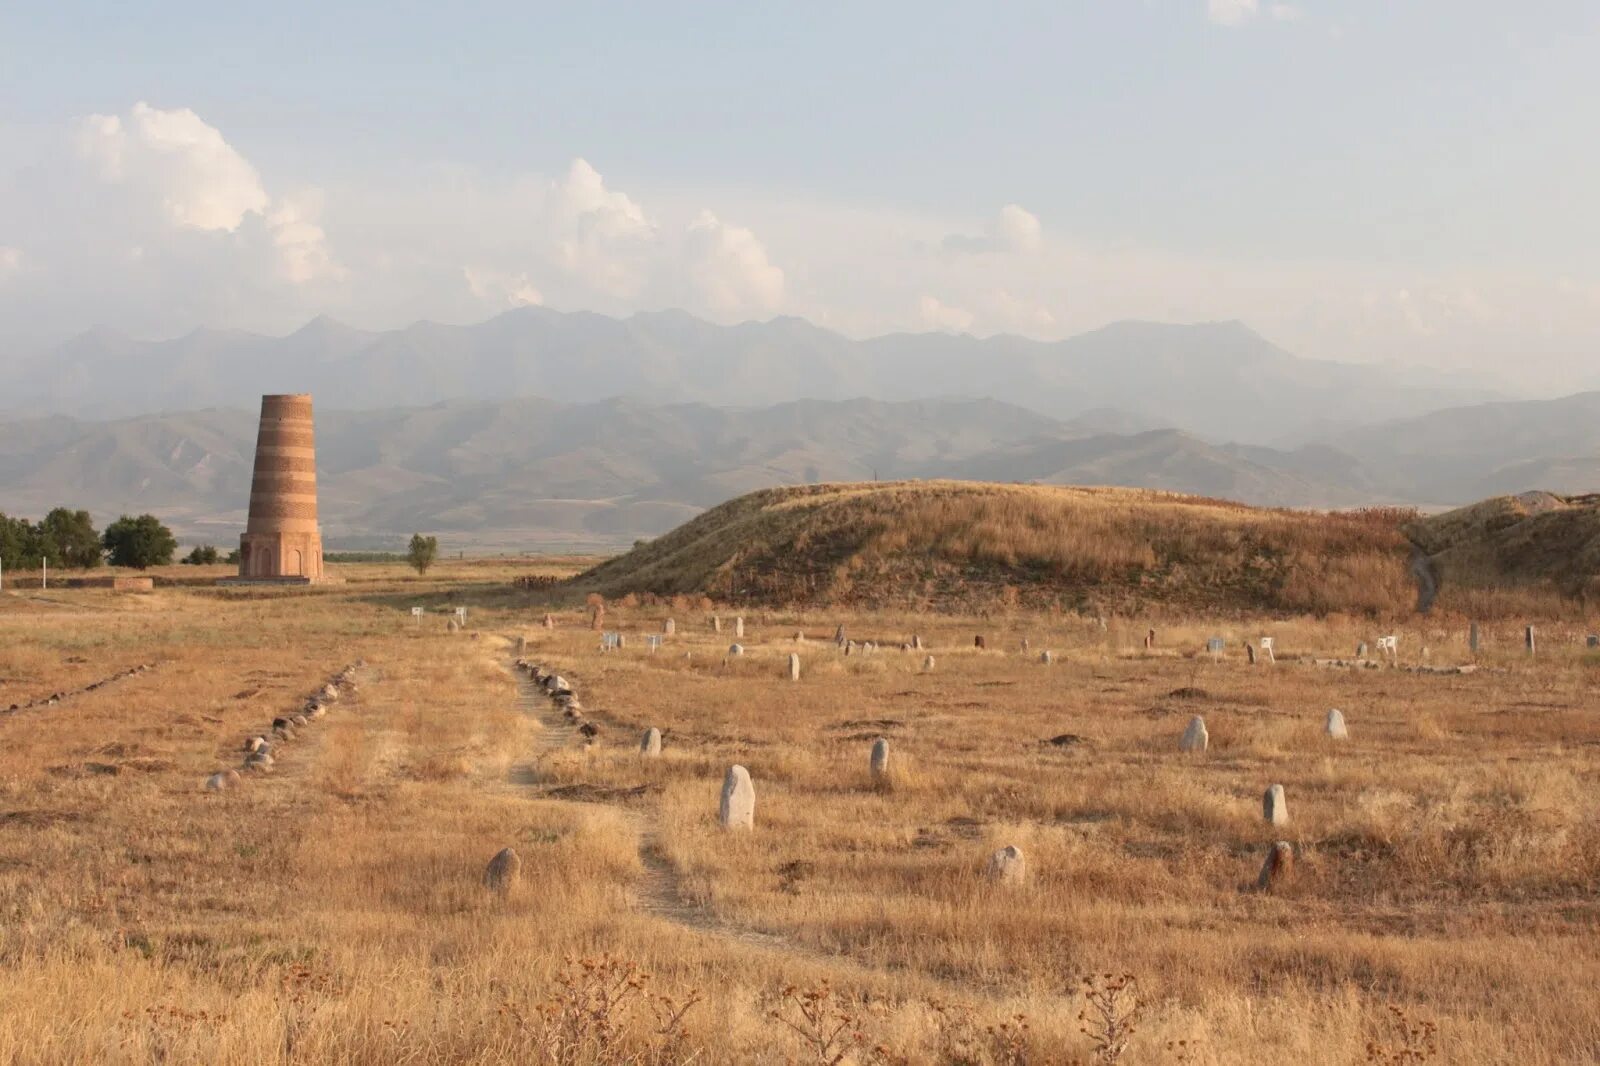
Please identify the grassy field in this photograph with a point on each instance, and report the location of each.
(1444, 905)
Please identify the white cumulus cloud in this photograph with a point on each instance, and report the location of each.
(175, 159)
(729, 268)
(942, 316)
(1231, 12)
(1014, 229)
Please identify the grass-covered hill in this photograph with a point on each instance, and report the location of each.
(943, 543)
(1511, 544)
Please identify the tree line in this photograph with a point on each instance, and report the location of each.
(67, 539)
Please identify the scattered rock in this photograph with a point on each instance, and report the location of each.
(1007, 866)
(735, 650)
(1047, 657)
(1274, 806)
(1279, 868)
(1334, 727)
(738, 809)
(503, 871)
(222, 781)
(260, 762)
(880, 760)
(1066, 740)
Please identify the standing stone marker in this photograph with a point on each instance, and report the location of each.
(1472, 638)
(927, 664)
(880, 760)
(735, 650)
(838, 634)
(1594, 640)
(716, 624)
(794, 667)
(1007, 866)
(1195, 738)
(549, 621)
(1274, 806)
(738, 809)
(651, 744)
(1335, 727)
(916, 643)
(503, 871)
(738, 627)
(1279, 867)
(979, 642)
(1047, 657)
(669, 627)
(1527, 638)
(522, 646)
(1250, 653)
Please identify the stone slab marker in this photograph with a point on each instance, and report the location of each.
(916, 642)
(1472, 638)
(794, 667)
(738, 809)
(651, 744)
(1334, 727)
(549, 621)
(716, 624)
(979, 642)
(522, 646)
(880, 760)
(1195, 738)
(1361, 650)
(1279, 867)
(1250, 653)
(1047, 657)
(503, 871)
(738, 627)
(1274, 806)
(927, 664)
(735, 650)
(1527, 638)
(669, 627)
(838, 634)
(1007, 866)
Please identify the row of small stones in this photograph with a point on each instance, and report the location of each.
(737, 808)
(505, 869)
(258, 749)
(57, 697)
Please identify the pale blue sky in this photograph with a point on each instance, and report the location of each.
(1370, 179)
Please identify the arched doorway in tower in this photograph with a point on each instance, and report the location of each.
(297, 566)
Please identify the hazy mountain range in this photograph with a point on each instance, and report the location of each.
(534, 473)
(1220, 381)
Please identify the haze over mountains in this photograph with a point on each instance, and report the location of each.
(1220, 381)
(539, 429)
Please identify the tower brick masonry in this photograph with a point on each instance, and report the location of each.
(281, 542)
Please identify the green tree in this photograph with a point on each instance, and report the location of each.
(21, 546)
(71, 539)
(202, 555)
(423, 551)
(139, 542)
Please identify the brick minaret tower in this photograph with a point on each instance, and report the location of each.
(281, 542)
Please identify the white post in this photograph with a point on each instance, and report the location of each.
(44, 575)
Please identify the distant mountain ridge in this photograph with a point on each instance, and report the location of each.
(536, 473)
(1219, 380)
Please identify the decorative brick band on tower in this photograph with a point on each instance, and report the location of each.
(281, 541)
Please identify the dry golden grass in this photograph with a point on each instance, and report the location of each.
(333, 911)
(899, 544)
